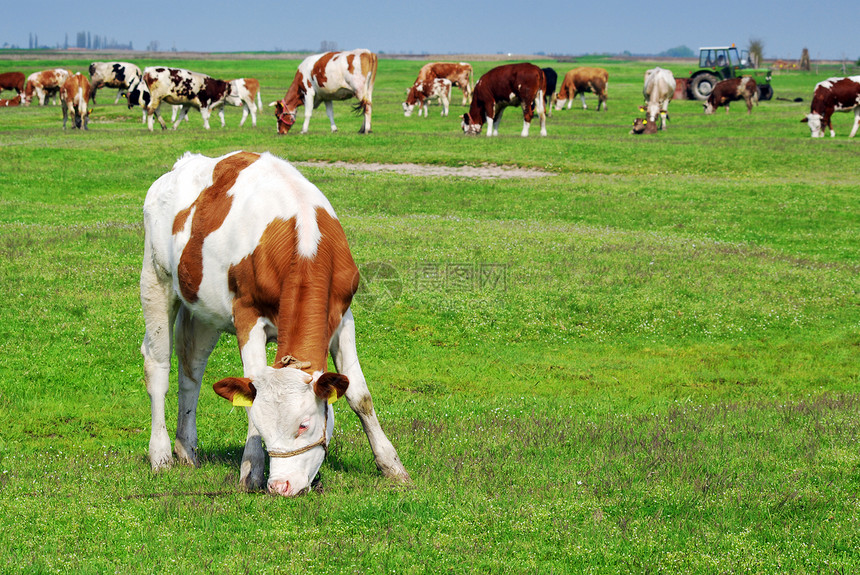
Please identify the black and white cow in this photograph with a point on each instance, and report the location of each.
(120, 75)
(179, 87)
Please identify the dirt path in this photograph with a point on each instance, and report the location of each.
(483, 172)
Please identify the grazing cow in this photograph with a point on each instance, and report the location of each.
(579, 81)
(732, 90)
(326, 78)
(550, 95)
(44, 85)
(244, 243)
(74, 95)
(421, 94)
(509, 85)
(644, 126)
(658, 90)
(120, 75)
(12, 81)
(833, 95)
(460, 75)
(16, 101)
(179, 87)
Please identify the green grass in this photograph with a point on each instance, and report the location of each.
(659, 372)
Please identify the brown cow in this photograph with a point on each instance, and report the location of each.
(460, 75)
(579, 81)
(732, 90)
(509, 85)
(44, 85)
(12, 81)
(74, 94)
(833, 95)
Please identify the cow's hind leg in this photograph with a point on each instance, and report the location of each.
(329, 110)
(342, 347)
(856, 122)
(195, 340)
(159, 311)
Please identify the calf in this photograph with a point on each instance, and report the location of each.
(74, 95)
(460, 75)
(833, 95)
(244, 243)
(732, 90)
(177, 86)
(120, 75)
(579, 81)
(422, 93)
(12, 81)
(509, 85)
(658, 90)
(326, 78)
(16, 101)
(44, 85)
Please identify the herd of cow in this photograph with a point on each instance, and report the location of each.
(325, 78)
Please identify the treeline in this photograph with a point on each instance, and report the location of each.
(85, 41)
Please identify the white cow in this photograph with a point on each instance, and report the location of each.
(658, 91)
(244, 243)
(326, 78)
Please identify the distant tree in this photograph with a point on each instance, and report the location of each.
(756, 49)
(678, 52)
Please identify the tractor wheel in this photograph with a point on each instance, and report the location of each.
(765, 92)
(702, 85)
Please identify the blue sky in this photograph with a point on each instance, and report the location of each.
(828, 29)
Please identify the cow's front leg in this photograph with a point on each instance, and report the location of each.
(345, 356)
(329, 110)
(159, 311)
(194, 342)
(251, 336)
(584, 105)
(205, 112)
(856, 122)
(445, 104)
(221, 116)
(155, 112)
(490, 127)
(65, 114)
(309, 108)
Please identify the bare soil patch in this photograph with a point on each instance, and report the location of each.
(488, 172)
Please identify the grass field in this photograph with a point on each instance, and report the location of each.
(645, 361)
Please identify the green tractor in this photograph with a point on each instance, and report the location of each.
(720, 63)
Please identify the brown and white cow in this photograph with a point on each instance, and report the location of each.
(74, 96)
(244, 92)
(120, 75)
(509, 85)
(179, 87)
(579, 81)
(16, 101)
(12, 81)
(44, 85)
(244, 243)
(420, 94)
(460, 75)
(731, 90)
(325, 78)
(658, 89)
(833, 95)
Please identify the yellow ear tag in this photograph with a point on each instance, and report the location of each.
(242, 400)
(333, 397)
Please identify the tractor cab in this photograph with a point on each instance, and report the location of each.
(721, 62)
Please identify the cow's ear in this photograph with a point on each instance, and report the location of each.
(805, 120)
(330, 386)
(237, 390)
(466, 118)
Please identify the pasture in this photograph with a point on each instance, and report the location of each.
(643, 361)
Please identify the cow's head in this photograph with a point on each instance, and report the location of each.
(814, 121)
(470, 126)
(644, 126)
(286, 117)
(710, 104)
(291, 411)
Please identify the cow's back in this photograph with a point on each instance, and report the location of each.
(208, 215)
